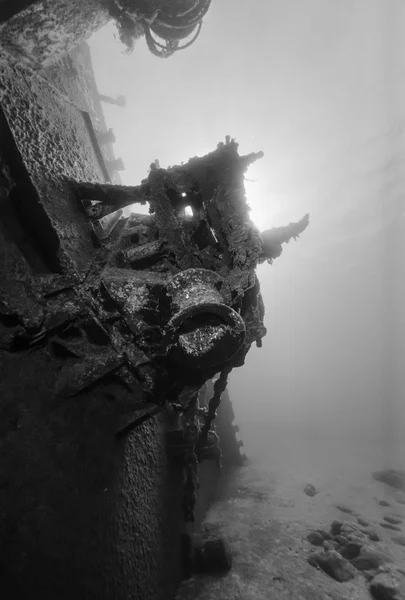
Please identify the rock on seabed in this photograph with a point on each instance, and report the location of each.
(333, 564)
(383, 587)
(315, 538)
(310, 490)
(393, 519)
(391, 477)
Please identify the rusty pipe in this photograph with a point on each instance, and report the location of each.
(203, 331)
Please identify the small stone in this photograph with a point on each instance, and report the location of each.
(333, 565)
(350, 550)
(383, 503)
(315, 538)
(335, 527)
(389, 526)
(373, 536)
(344, 509)
(370, 559)
(391, 477)
(399, 539)
(364, 563)
(312, 559)
(362, 522)
(383, 587)
(393, 519)
(213, 556)
(310, 490)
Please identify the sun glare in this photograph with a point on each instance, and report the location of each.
(264, 208)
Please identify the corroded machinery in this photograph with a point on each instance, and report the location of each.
(169, 298)
(190, 262)
(196, 254)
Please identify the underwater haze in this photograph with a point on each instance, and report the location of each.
(319, 86)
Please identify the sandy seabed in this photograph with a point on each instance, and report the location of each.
(266, 515)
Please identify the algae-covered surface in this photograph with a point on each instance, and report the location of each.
(266, 516)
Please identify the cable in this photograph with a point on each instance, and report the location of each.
(169, 23)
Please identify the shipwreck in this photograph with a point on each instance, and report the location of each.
(117, 337)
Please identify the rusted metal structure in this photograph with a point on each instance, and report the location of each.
(157, 305)
(116, 164)
(118, 101)
(109, 328)
(106, 137)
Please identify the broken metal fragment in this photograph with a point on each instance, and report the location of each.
(272, 239)
(145, 252)
(74, 379)
(109, 222)
(53, 284)
(132, 420)
(95, 210)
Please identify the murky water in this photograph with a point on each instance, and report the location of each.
(340, 465)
